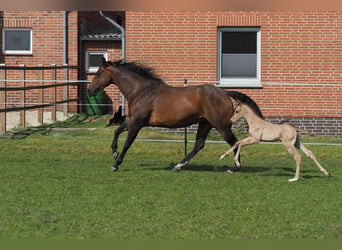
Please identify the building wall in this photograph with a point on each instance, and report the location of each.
(47, 47)
(301, 60)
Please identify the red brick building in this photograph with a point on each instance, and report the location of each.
(289, 62)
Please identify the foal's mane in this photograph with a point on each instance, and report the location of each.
(238, 96)
(144, 71)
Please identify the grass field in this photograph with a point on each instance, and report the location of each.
(57, 185)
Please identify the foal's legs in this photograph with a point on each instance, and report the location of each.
(203, 129)
(239, 145)
(292, 150)
(309, 154)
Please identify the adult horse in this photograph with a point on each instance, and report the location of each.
(151, 102)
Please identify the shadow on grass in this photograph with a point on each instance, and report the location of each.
(75, 121)
(213, 168)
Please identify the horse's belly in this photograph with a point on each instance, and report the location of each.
(170, 120)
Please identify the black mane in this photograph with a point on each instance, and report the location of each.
(144, 71)
(238, 96)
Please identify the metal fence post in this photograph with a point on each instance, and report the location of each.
(185, 129)
(40, 94)
(2, 98)
(23, 96)
(53, 93)
(66, 90)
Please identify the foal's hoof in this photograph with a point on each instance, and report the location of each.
(230, 171)
(114, 169)
(293, 179)
(328, 174)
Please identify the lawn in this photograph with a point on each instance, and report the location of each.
(56, 184)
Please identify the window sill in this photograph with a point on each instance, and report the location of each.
(17, 53)
(239, 83)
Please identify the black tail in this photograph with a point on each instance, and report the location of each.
(117, 118)
(238, 96)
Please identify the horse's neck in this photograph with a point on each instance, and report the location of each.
(252, 118)
(128, 85)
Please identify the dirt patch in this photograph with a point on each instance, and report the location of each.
(13, 119)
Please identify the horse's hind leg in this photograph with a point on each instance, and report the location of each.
(309, 154)
(117, 133)
(203, 129)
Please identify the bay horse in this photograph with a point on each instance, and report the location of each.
(152, 102)
(261, 130)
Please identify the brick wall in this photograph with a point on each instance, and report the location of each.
(301, 60)
(47, 47)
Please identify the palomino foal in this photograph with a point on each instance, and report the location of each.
(261, 130)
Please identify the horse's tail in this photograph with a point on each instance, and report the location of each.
(238, 96)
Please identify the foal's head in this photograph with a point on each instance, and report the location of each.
(239, 110)
(102, 79)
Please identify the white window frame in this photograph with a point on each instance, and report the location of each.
(93, 52)
(242, 82)
(16, 52)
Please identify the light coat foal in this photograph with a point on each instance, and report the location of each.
(261, 130)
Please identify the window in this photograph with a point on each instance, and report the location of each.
(17, 41)
(239, 57)
(94, 60)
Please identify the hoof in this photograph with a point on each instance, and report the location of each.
(114, 169)
(328, 174)
(230, 171)
(176, 169)
(115, 155)
(293, 179)
(222, 156)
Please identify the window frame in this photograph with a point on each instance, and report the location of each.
(16, 52)
(89, 69)
(239, 82)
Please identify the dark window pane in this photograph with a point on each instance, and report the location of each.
(17, 40)
(239, 42)
(95, 60)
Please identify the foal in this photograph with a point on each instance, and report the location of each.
(261, 130)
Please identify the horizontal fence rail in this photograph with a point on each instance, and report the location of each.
(46, 95)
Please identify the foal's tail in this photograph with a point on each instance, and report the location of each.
(238, 96)
(304, 131)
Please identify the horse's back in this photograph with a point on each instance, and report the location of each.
(179, 106)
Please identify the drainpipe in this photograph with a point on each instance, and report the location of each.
(65, 37)
(123, 50)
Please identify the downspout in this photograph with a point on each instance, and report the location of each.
(65, 37)
(123, 50)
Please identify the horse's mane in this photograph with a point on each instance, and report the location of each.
(144, 71)
(238, 96)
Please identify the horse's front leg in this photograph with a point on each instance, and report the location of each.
(117, 133)
(132, 134)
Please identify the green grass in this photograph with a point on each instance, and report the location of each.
(57, 185)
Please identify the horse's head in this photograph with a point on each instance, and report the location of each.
(103, 77)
